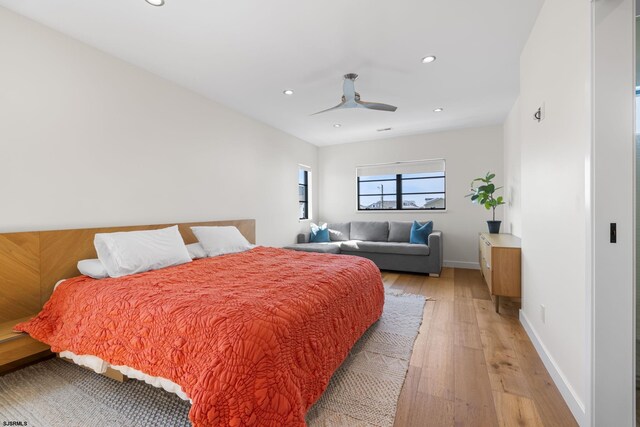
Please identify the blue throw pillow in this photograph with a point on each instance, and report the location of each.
(420, 232)
(319, 234)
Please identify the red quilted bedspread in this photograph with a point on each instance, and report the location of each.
(252, 338)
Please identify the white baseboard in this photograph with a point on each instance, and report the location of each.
(568, 393)
(462, 264)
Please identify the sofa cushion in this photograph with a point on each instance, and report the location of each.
(420, 232)
(373, 231)
(339, 231)
(325, 248)
(399, 231)
(385, 248)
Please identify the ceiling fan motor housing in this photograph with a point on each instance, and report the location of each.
(357, 97)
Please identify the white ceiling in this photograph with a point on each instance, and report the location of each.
(244, 53)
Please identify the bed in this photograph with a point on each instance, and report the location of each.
(250, 338)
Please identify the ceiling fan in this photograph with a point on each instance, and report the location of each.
(351, 98)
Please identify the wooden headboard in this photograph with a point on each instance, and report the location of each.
(31, 263)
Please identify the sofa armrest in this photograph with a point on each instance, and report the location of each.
(436, 251)
(303, 238)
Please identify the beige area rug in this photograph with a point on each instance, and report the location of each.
(362, 393)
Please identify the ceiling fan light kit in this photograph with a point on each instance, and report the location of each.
(351, 98)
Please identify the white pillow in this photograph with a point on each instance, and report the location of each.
(221, 240)
(92, 268)
(58, 283)
(134, 252)
(196, 251)
(315, 227)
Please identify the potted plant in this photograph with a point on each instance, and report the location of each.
(483, 195)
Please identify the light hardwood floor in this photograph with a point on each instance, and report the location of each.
(471, 366)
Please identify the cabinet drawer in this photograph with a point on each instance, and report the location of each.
(486, 272)
(485, 250)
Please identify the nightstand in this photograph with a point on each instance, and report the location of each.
(17, 348)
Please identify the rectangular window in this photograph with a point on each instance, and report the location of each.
(303, 193)
(418, 185)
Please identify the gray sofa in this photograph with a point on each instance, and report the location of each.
(385, 243)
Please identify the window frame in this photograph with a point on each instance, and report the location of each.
(398, 194)
(306, 186)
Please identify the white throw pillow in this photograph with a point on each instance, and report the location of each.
(196, 251)
(315, 227)
(134, 252)
(221, 240)
(92, 268)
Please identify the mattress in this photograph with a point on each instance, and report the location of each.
(250, 338)
(100, 366)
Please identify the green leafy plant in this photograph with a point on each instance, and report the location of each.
(483, 193)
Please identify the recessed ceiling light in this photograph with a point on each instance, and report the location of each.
(428, 59)
(438, 110)
(288, 92)
(155, 2)
(337, 125)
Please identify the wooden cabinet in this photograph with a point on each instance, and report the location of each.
(17, 348)
(500, 265)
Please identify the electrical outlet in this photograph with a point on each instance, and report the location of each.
(543, 313)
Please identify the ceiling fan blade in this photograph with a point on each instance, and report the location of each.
(377, 106)
(332, 108)
(349, 89)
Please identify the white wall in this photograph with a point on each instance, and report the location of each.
(552, 216)
(88, 140)
(637, 245)
(637, 219)
(512, 171)
(469, 153)
(613, 202)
